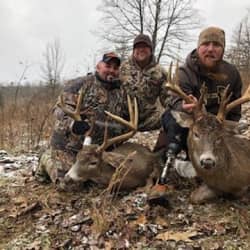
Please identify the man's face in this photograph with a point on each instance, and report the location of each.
(210, 54)
(142, 53)
(108, 71)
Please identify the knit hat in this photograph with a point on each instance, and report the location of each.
(141, 38)
(212, 34)
(111, 56)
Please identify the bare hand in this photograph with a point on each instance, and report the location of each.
(189, 107)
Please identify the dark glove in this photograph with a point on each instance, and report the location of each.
(80, 127)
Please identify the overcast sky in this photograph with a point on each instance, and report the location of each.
(26, 26)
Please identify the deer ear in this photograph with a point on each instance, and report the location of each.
(183, 119)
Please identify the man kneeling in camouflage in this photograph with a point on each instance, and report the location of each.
(101, 92)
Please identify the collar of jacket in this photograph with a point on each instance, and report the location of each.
(109, 85)
(151, 64)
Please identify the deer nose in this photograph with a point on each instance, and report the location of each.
(207, 163)
(67, 179)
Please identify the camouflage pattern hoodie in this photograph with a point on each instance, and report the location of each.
(192, 76)
(147, 85)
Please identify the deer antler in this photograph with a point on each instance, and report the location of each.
(225, 107)
(76, 114)
(199, 111)
(243, 99)
(73, 114)
(173, 84)
(132, 125)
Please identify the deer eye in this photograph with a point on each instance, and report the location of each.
(196, 135)
(218, 140)
(94, 162)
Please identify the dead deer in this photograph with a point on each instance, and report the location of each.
(94, 163)
(219, 156)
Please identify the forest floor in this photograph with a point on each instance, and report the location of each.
(39, 216)
(36, 216)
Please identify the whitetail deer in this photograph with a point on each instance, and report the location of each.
(219, 156)
(140, 165)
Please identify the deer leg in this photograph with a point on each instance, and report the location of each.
(52, 169)
(40, 173)
(202, 194)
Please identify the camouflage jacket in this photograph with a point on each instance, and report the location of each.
(147, 86)
(192, 76)
(99, 96)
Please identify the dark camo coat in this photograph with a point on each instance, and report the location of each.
(99, 97)
(148, 86)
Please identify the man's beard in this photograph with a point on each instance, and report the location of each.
(110, 78)
(211, 62)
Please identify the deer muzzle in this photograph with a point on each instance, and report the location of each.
(207, 163)
(67, 179)
(207, 160)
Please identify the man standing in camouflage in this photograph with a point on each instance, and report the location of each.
(101, 92)
(143, 78)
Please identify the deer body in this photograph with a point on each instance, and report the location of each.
(100, 167)
(132, 164)
(220, 156)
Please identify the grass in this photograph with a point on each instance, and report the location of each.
(26, 118)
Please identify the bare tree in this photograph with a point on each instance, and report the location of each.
(239, 52)
(168, 22)
(53, 63)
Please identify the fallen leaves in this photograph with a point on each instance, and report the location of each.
(178, 236)
(16, 212)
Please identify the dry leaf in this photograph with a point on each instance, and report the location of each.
(177, 236)
(161, 221)
(141, 220)
(20, 200)
(108, 245)
(2, 210)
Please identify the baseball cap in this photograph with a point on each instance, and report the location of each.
(141, 38)
(107, 57)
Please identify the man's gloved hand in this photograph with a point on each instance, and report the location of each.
(80, 127)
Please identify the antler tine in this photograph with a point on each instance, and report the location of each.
(203, 92)
(73, 114)
(223, 104)
(170, 72)
(132, 125)
(243, 99)
(104, 145)
(130, 110)
(132, 114)
(176, 74)
(176, 89)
